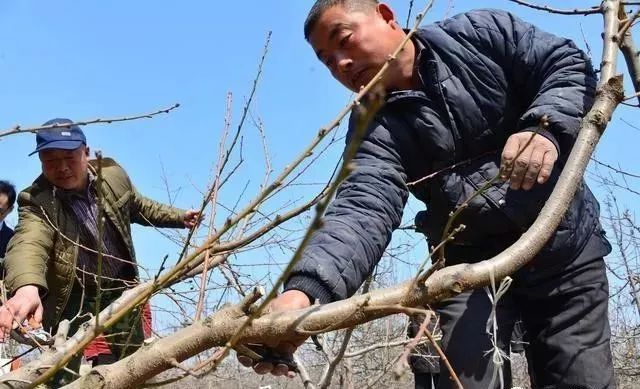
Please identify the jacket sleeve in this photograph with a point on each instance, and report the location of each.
(30, 248)
(142, 210)
(149, 212)
(358, 224)
(554, 75)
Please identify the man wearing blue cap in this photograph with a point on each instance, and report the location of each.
(52, 261)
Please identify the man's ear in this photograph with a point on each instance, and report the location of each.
(87, 151)
(387, 13)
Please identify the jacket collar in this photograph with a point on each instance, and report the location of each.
(421, 55)
(427, 68)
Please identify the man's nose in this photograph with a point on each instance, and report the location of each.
(62, 166)
(344, 63)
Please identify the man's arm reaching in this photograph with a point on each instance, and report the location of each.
(358, 224)
(356, 230)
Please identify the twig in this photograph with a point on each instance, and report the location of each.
(626, 25)
(100, 240)
(212, 196)
(409, 14)
(440, 263)
(245, 110)
(304, 374)
(376, 346)
(371, 383)
(177, 365)
(617, 232)
(616, 170)
(443, 358)
(450, 167)
(630, 50)
(587, 11)
(325, 381)
(81, 246)
(403, 362)
(18, 130)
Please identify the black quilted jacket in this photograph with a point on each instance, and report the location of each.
(486, 75)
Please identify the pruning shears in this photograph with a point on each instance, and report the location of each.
(262, 353)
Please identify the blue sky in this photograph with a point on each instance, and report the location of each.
(91, 59)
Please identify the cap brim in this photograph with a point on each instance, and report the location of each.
(60, 145)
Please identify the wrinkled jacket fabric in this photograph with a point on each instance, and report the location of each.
(486, 75)
(44, 249)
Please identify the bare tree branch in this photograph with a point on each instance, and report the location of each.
(19, 130)
(586, 11)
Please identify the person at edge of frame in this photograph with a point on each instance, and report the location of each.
(7, 201)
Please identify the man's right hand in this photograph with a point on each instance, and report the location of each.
(287, 301)
(25, 304)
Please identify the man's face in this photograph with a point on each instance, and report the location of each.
(66, 169)
(354, 45)
(5, 209)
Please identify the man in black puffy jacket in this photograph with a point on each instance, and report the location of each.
(469, 91)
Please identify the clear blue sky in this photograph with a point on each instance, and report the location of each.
(92, 59)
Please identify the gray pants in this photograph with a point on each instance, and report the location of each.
(563, 308)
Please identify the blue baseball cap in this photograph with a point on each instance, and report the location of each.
(64, 138)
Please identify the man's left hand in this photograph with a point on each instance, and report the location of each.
(191, 218)
(533, 165)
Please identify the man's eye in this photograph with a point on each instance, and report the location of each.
(344, 40)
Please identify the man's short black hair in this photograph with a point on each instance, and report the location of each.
(8, 189)
(322, 5)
